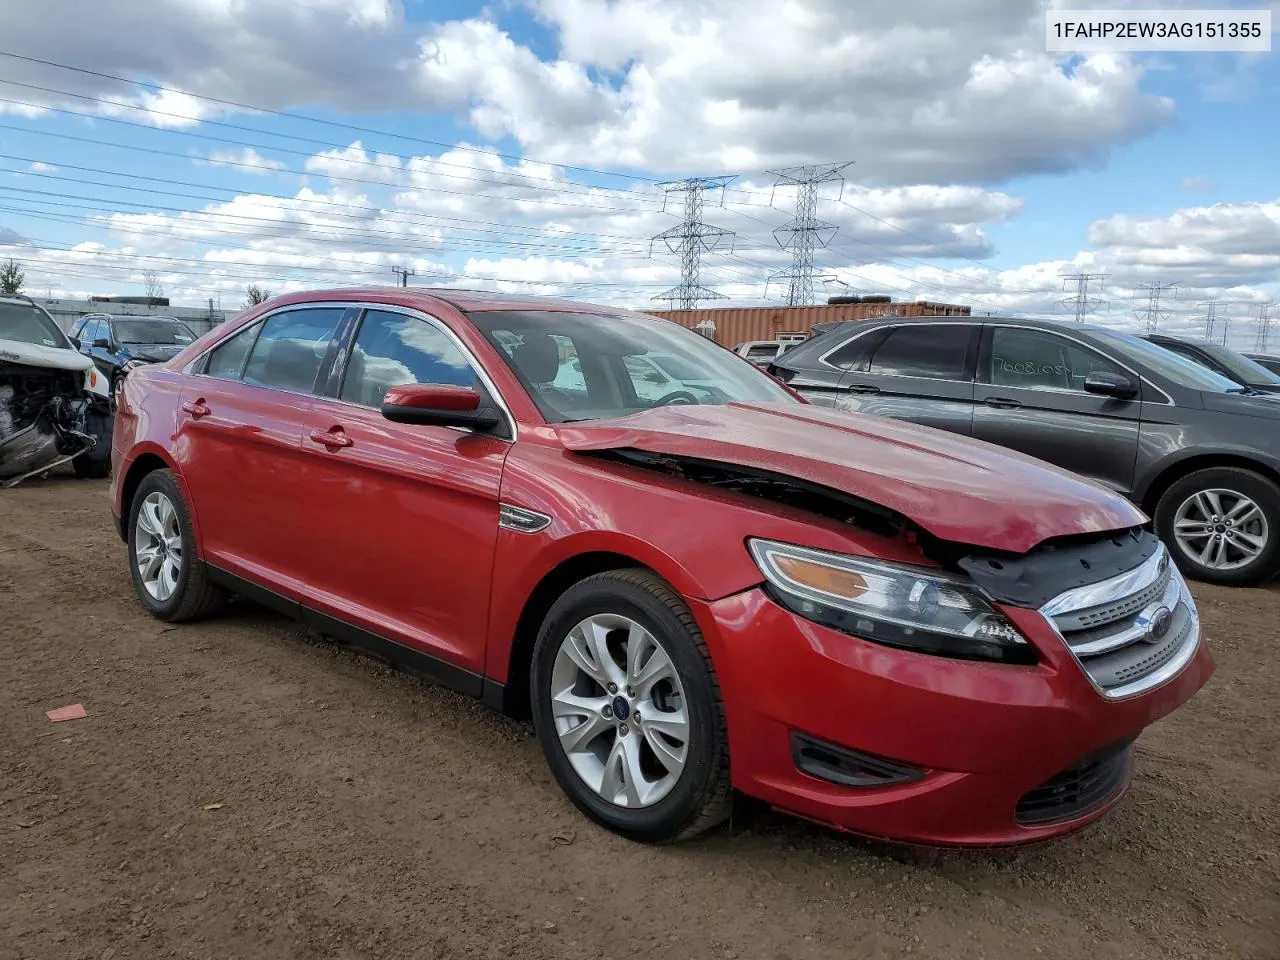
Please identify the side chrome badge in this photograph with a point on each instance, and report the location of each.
(521, 520)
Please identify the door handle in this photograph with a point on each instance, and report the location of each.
(196, 408)
(863, 388)
(333, 439)
(1002, 403)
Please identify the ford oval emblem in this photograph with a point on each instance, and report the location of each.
(1158, 625)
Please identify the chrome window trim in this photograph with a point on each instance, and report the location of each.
(1117, 588)
(362, 305)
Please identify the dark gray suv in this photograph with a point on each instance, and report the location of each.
(1198, 452)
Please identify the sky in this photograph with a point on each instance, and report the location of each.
(199, 146)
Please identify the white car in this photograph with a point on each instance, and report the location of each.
(764, 352)
(54, 404)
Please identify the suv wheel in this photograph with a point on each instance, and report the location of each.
(168, 577)
(1222, 525)
(628, 710)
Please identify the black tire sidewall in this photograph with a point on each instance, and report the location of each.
(666, 819)
(162, 481)
(1257, 488)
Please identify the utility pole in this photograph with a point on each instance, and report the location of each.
(1264, 328)
(803, 231)
(1209, 318)
(691, 238)
(1081, 302)
(403, 274)
(1153, 313)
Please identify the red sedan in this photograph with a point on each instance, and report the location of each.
(693, 586)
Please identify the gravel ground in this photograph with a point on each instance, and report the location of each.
(240, 789)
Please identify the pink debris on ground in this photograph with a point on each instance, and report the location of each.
(73, 712)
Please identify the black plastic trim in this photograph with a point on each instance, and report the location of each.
(1088, 784)
(1035, 578)
(413, 661)
(848, 768)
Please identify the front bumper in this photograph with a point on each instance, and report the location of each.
(983, 736)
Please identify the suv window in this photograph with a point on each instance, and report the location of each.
(937, 352)
(392, 349)
(847, 356)
(1036, 359)
(764, 352)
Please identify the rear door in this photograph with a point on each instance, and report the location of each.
(240, 442)
(1030, 397)
(921, 372)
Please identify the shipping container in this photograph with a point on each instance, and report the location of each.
(735, 325)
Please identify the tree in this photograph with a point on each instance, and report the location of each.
(11, 277)
(255, 294)
(152, 283)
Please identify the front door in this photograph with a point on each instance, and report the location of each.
(921, 372)
(402, 519)
(240, 443)
(1030, 396)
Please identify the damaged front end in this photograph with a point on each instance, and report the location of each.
(47, 418)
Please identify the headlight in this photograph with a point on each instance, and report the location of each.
(901, 606)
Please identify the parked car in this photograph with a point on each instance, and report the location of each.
(763, 352)
(876, 625)
(1231, 364)
(116, 344)
(53, 403)
(1264, 360)
(1198, 452)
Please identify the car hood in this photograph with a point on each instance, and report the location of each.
(1260, 405)
(956, 488)
(38, 355)
(155, 352)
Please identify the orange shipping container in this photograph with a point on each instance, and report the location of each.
(735, 325)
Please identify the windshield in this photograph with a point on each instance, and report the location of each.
(1166, 363)
(582, 366)
(27, 323)
(1241, 366)
(164, 332)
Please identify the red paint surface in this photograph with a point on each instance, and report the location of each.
(394, 528)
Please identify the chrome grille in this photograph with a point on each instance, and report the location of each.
(1132, 632)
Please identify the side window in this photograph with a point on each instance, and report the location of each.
(291, 347)
(1040, 360)
(91, 333)
(935, 352)
(847, 356)
(226, 360)
(393, 349)
(762, 354)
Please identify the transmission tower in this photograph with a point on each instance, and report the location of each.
(404, 275)
(1264, 328)
(804, 231)
(691, 239)
(1210, 318)
(1081, 302)
(1153, 314)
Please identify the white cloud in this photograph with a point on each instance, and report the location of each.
(246, 159)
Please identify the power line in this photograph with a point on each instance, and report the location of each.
(691, 238)
(1081, 302)
(1153, 314)
(804, 230)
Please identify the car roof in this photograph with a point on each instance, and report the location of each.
(467, 301)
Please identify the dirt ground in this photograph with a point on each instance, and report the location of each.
(242, 790)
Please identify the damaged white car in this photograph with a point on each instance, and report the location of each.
(54, 404)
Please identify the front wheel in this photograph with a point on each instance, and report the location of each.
(628, 710)
(1222, 526)
(168, 577)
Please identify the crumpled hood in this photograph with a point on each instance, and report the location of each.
(38, 355)
(155, 353)
(958, 489)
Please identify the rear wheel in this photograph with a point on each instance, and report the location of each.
(628, 710)
(1222, 525)
(168, 577)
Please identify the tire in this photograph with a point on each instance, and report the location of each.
(683, 804)
(96, 464)
(1225, 486)
(193, 596)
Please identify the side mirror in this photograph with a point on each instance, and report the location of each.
(1110, 385)
(437, 404)
(102, 343)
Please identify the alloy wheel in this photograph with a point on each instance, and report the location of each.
(158, 546)
(620, 710)
(1221, 529)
